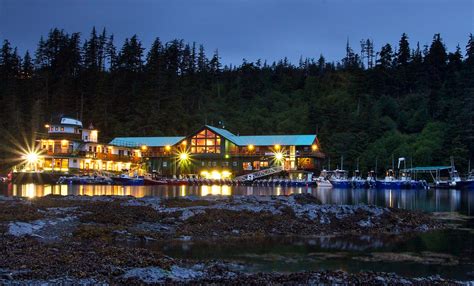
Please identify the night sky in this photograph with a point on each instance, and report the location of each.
(249, 29)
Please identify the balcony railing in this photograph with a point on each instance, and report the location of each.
(93, 155)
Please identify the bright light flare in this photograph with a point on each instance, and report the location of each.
(279, 156)
(183, 156)
(31, 157)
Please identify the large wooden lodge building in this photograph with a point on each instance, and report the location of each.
(212, 151)
(69, 147)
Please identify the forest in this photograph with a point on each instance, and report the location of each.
(409, 100)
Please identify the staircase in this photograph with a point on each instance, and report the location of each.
(259, 174)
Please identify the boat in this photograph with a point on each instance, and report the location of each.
(126, 180)
(339, 179)
(85, 180)
(151, 182)
(322, 181)
(390, 181)
(371, 179)
(468, 183)
(452, 182)
(357, 182)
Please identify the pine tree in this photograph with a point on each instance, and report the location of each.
(403, 55)
(385, 59)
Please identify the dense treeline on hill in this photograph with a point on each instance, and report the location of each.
(410, 101)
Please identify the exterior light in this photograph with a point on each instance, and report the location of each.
(144, 147)
(250, 147)
(226, 174)
(227, 156)
(279, 156)
(183, 156)
(277, 147)
(167, 148)
(46, 126)
(215, 175)
(184, 143)
(31, 157)
(314, 147)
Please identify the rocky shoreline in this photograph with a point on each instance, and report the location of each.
(75, 239)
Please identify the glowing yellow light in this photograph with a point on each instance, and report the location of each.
(183, 156)
(279, 156)
(205, 174)
(184, 143)
(314, 147)
(215, 175)
(167, 147)
(64, 143)
(277, 147)
(46, 126)
(250, 147)
(226, 174)
(31, 157)
(144, 147)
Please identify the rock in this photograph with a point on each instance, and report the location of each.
(148, 274)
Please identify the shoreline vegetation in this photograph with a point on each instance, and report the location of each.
(89, 240)
(409, 99)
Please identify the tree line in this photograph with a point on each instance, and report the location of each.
(405, 101)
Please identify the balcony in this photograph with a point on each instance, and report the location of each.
(109, 157)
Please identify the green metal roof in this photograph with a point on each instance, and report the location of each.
(148, 141)
(427, 169)
(265, 140)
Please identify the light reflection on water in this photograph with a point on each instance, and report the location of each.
(439, 200)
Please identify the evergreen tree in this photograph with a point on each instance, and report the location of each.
(403, 55)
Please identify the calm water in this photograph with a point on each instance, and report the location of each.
(413, 256)
(433, 200)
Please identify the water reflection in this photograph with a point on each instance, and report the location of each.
(427, 200)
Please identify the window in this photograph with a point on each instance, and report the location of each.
(234, 164)
(62, 128)
(225, 164)
(56, 128)
(90, 148)
(165, 164)
(214, 164)
(203, 163)
(206, 141)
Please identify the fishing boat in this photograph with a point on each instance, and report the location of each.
(468, 183)
(371, 179)
(357, 182)
(389, 182)
(322, 181)
(452, 182)
(339, 179)
(127, 180)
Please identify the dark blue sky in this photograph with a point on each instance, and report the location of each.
(248, 29)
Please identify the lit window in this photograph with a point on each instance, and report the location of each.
(206, 141)
(62, 128)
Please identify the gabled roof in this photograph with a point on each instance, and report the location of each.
(265, 140)
(224, 133)
(148, 141)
